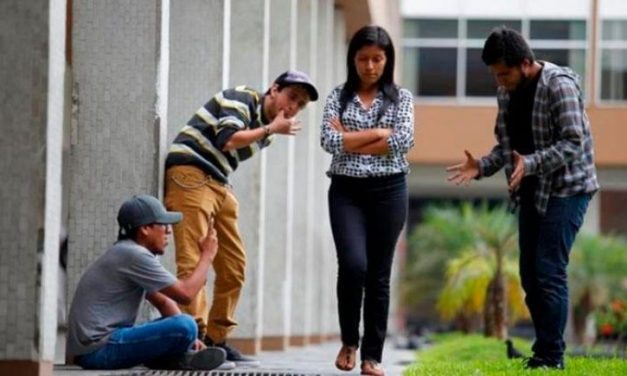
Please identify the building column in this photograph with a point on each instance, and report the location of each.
(247, 66)
(302, 269)
(279, 193)
(115, 132)
(323, 257)
(31, 106)
(337, 66)
(194, 72)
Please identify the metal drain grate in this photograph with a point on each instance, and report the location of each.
(210, 373)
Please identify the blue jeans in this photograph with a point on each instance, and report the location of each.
(545, 243)
(162, 340)
(367, 216)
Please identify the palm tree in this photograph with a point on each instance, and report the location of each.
(596, 275)
(484, 277)
(443, 232)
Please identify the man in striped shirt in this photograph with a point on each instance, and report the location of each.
(544, 142)
(230, 128)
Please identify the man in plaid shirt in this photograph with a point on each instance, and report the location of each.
(544, 144)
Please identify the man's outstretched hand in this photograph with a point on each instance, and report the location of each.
(209, 243)
(463, 173)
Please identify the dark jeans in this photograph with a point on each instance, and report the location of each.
(545, 244)
(367, 216)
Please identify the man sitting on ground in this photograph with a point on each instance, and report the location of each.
(101, 327)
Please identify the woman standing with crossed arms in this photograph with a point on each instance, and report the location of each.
(368, 126)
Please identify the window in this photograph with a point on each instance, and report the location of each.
(434, 67)
(478, 81)
(562, 42)
(557, 30)
(613, 60)
(430, 55)
(430, 28)
(480, 29)
(443, 56)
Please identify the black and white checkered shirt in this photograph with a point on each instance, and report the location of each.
(399, 117)
(564, 157)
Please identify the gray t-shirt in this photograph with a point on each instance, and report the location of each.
(110, 292)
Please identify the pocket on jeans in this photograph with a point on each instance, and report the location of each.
(188, 180)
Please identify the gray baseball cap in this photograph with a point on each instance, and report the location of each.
(141, 210)
(294, 77)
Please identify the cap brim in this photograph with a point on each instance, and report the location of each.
(170, 218)
(313, 93)
(311, 90)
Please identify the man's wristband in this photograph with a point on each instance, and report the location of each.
(266, 130)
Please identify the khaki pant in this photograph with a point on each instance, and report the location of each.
(190, 191)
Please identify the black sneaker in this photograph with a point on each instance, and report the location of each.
(233, 354)
(205, 359)
(536, 362)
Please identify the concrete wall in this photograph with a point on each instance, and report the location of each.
(114, 134)
(137, 72)
(279, 193)
(247, 66)
(195, 64)
(31, 109)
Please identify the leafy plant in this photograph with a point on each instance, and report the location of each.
(596, 276)
(463, 258)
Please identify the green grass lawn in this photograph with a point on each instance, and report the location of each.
(475, 355)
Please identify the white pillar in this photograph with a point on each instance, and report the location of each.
(195, 71)
(302, 268)
(31, 106)
(279, 194)
(246, 67)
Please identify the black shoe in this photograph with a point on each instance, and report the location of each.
(206, 359)
(233, 354)
(536, 362)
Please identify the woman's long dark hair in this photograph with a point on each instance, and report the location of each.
(370, 36)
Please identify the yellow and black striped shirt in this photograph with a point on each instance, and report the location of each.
(200, 142)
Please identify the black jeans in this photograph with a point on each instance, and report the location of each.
(367, 216)
(545, 244)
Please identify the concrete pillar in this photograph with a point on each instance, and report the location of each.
(302, 303)
(246, 64)
(339, 74)
(324, 248)
(194, 71)
(279, 194)
(31, 108)
(340, 46)
(115, 128)
(322, 257)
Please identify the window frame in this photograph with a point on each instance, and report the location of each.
(601, 46)
(462, 43)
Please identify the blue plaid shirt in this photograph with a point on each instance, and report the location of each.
(564, 157)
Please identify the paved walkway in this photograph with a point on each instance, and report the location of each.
(310, 360)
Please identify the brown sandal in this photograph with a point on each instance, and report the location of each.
(372, 368)
(346, 358)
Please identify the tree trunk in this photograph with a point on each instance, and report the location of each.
(580, 316)
(495, 312)
(467, 323)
